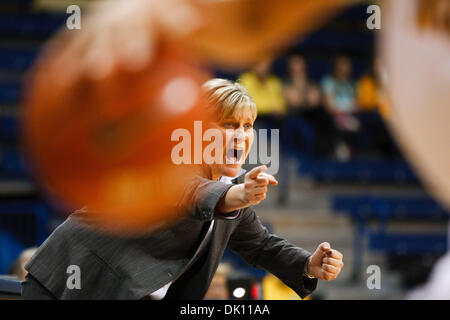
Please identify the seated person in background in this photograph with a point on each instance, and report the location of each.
(340, 95)
(328, 139)
(18, 268)
(267, 92)
(305, 102)
(296, 85)
(218, 289)
(369, 91)
(340, 102)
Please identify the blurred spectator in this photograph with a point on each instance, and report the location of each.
(368, 91)
(218, 289)
(340, 101)
(370, 95)
(17, 269)
(328, 139)
(296, 85)
(340, 95)
(267, 92)
(306, 110)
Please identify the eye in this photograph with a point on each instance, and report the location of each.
(248, 126)
(228, 125)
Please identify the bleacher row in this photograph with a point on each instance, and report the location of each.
(24, 217)
(383, 210)
(30, 25)
(361, 171)
(20, 38)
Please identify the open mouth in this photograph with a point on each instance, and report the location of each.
(234, 156)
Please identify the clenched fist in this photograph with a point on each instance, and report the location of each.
(255, 185)
(325, 263)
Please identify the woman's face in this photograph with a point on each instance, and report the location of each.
(297, 66)
(237, 134)
(343, 68)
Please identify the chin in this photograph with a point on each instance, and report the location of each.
(231, 171)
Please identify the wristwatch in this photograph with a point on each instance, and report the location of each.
(305, 270)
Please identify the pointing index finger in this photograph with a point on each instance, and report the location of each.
(253, 174)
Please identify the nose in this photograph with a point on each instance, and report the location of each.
(238, 136)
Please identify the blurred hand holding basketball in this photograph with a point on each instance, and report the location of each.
(121, 35)
(325, 263)
(99, 111)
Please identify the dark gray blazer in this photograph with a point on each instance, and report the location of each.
(114, 267)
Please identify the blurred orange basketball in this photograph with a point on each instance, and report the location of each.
(106, 144)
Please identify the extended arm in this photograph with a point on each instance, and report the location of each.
(261, 249)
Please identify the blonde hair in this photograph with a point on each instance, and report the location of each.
(228, 99)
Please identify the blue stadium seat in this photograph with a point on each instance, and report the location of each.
(362, 208)
(23, 224)
(389, 207)
(12, 164)
(16, 59)
(358, 171)
(10, 289)
(9, 93)
(8, 128)
(37, 24)
(408, 244)
(330, 39)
